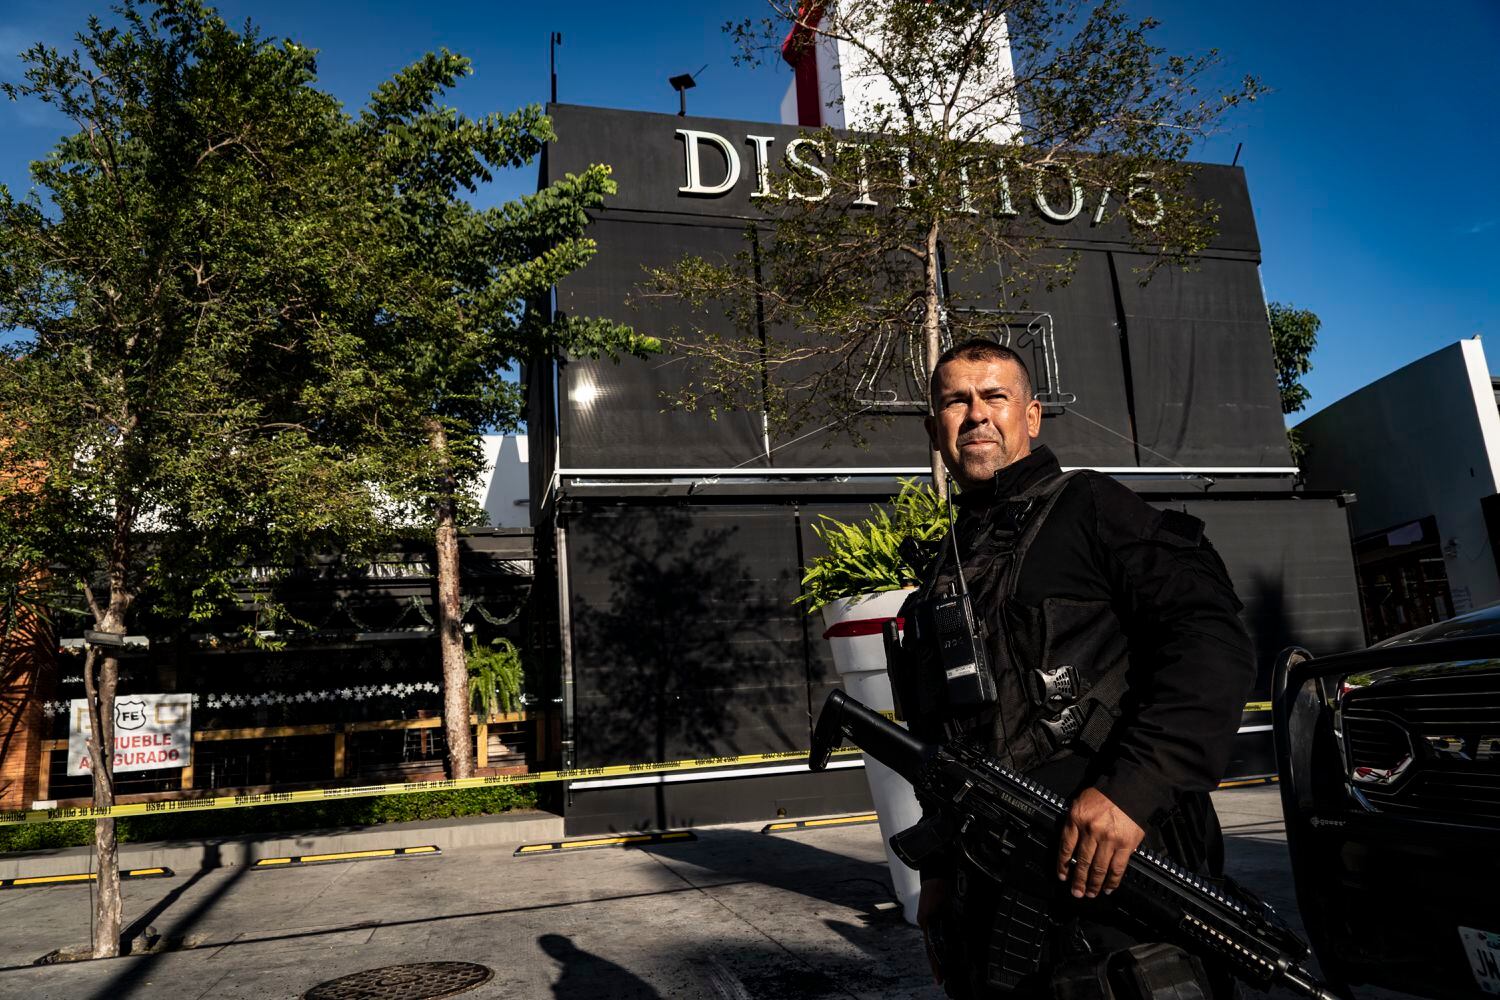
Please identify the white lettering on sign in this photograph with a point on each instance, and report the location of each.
(965, 198)
(151, 731)
(1006, 206)
(1136, 190)
(805, 156)
(863, 174)
(1075, 192)
(908, 179)
(690, 140)
(806, 169)
(762, 166)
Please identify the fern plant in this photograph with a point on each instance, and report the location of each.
(877, 553)
(495, 676)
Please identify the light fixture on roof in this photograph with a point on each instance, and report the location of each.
(682, 84)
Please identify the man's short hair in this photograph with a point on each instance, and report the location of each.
(979, 349)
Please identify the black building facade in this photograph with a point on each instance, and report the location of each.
(675, 543)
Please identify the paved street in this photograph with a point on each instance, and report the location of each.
(735, 915)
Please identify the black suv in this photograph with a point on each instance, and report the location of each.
(1390, 781)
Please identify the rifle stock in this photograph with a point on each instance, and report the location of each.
(886, 742)
(1020, 818)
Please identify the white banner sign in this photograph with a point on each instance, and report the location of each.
(151, 731)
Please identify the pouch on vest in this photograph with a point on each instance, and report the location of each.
(1076, 677)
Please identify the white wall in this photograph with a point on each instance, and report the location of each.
(506, 490)
(1423, 440)
(789, 103)
(849, 87)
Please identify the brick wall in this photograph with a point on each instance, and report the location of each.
(26, 669)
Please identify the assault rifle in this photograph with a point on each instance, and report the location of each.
(997, 812)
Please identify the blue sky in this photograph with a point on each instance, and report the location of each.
(1374, 165)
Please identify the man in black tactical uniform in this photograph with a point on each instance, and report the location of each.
(1121, 668)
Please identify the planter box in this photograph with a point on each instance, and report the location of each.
(854, 626)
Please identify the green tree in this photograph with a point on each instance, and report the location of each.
(179, 300)
(465, 298)
(1294, 334)
(989, 106)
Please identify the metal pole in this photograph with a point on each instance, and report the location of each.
(553, 42)
(565, 640)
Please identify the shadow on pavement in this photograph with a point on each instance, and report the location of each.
(137, 971)
(256, 939)
(782, 861)
(586, 976)
(141, 924)
(747, 970)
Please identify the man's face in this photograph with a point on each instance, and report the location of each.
(983, 418)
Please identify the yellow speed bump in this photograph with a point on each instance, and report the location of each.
(594, 843)
(812, 824)
(44, 880)
(342, 856)
(1265, 779)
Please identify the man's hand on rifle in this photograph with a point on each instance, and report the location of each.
(1097, 841)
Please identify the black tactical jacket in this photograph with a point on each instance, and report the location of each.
(1107, 582)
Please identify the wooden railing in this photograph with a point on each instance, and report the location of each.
(340, 731)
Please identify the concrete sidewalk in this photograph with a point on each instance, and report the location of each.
(735, 915)
(187, 856)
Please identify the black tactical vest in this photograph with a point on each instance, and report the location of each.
(1059, 669)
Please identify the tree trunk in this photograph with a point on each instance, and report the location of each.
(100, 692)
(448, 613)
(932, 340)
(101, 702)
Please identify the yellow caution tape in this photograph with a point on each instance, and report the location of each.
(16, 817)
(57, 815)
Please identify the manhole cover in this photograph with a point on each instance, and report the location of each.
(422, 981)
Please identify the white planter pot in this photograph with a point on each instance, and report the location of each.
(854, 626)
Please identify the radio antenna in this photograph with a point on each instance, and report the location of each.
(958, 558)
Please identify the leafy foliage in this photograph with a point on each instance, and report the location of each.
(883, 552)
(209, 256)
(202, 263)
(465, 299)
(991, 104)
(496, 676)
(1294, 334)
(252, 326)
(463, 285)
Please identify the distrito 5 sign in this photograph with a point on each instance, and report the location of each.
(152, 731)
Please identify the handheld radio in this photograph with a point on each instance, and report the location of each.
(960, 638)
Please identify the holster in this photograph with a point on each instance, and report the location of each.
(1158, 972)
(1144, 972)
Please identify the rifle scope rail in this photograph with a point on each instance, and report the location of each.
(1156, 893)
(1163, 881)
